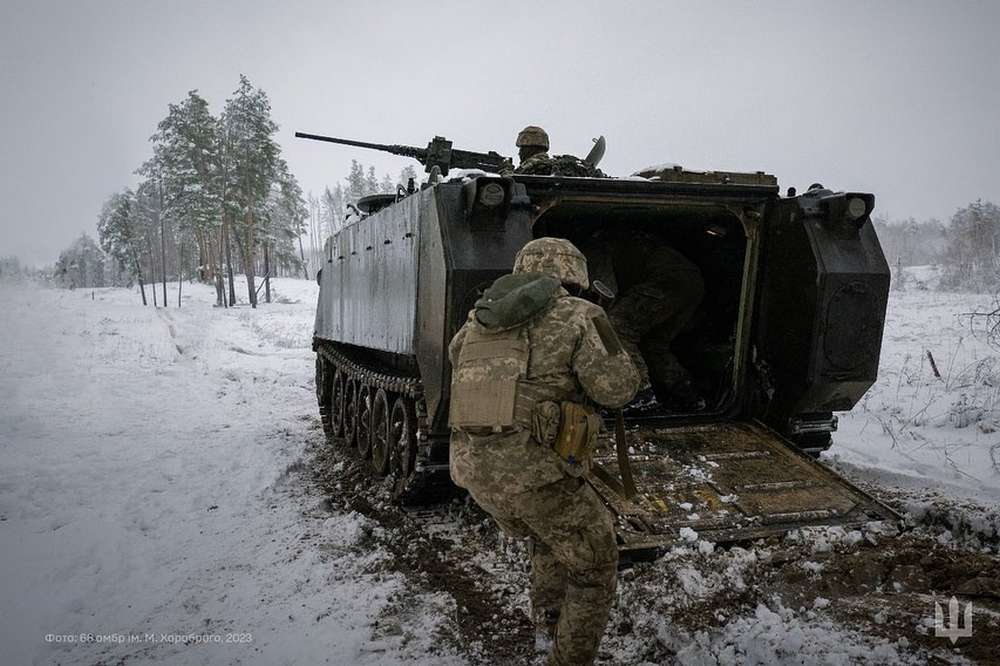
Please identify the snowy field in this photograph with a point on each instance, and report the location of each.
(151, 485)
(166, 497)
(915, 425)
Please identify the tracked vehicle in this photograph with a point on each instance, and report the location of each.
(788, 333)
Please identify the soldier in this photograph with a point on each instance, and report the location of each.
(533, 151)
(658, 291)
(533, 146)
(530, 359)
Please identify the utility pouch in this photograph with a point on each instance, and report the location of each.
(578, 429)
(546, 418)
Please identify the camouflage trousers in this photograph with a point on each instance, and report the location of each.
(649, 315)
(574, 560)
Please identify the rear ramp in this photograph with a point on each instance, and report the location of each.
(729, 482)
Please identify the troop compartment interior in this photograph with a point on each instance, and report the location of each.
(711, 236)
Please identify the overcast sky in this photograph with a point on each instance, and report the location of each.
(900, 99)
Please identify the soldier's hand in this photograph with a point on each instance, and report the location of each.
(507, 168)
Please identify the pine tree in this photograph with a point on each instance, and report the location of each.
(285, 217)
(187, 161)
(371, 182)
(119, 236)
(387, 186)
(973, 253)
(252, 156)
(357, 186)
(81, 265)
(332, 204)
(406, 174)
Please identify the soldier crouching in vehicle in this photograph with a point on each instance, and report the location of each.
(530, 366)
(658, 292)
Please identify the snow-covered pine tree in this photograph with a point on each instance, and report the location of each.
(186, 158)
(252, 155)
(972, 258)
(118, 234)
(356, 184)
(81, 265)
(332, 204)
(406, 174)
(371, 182)
(283, 223)
(387, 186)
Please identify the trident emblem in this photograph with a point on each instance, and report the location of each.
(953, 630)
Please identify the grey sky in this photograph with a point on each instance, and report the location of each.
(900, 99)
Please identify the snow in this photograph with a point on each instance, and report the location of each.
(152, 485)
(914, 429)
(664, 166)
(779, 636)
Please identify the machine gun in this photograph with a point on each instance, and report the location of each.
(438, 153)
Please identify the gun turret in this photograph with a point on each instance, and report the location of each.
(438, 153)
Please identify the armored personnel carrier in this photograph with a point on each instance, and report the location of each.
(789, 332)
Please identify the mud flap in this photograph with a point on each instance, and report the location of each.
(725, 481)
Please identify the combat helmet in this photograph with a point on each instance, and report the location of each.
(533, 136)
(556, 257)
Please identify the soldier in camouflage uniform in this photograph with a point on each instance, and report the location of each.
(512, 369)
(532, 149)
(658, 291)
(533, 146)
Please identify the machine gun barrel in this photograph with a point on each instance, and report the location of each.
(438, 153)
(395, 149)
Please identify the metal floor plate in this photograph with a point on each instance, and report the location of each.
(727, 482)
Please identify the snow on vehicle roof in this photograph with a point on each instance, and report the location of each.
(666, 166)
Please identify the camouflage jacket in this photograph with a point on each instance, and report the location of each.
(560, 165)
(538, 164)
(574, 355)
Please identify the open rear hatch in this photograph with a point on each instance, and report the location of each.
(730, 481)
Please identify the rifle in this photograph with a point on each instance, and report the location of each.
(438, 153)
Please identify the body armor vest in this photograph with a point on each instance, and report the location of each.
(489, 389)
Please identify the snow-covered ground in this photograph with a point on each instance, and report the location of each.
(151, 492)
(166, 494)
(924, 428)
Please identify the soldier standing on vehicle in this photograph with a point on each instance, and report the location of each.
(658, 291)
(528, 369)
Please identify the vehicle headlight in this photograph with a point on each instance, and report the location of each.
(491, 195)
(856, 208)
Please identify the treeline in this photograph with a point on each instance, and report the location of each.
(215, 199)
(12, 270)
(967, 248)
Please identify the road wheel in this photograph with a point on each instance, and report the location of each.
(381, 443)
(337, 404)
(350, 411)
(323, 394)
(363, 430)
(403, 452)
